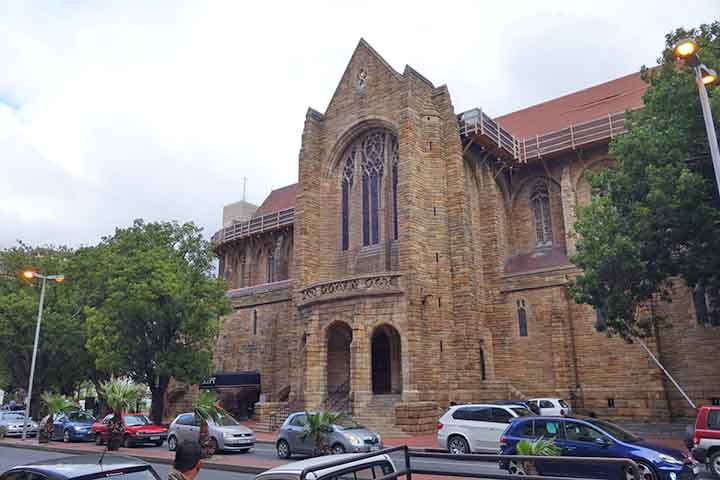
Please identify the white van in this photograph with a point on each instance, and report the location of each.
(550, 407)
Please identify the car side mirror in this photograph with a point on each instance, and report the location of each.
(602, 442)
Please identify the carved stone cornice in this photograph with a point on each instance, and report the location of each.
(373, 284)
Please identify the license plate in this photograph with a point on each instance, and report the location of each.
(154, 438)
(375, 447)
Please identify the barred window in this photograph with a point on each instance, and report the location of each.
(540, 205)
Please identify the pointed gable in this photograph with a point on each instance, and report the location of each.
(366, 75)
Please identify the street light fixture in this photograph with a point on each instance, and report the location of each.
(57, 278)
(686, 50)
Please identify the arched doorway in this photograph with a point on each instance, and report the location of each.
(386, 360)
(339, 338)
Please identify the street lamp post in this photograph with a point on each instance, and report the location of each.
(686, 50)
(45, 278)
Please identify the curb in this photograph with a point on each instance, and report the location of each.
(165, 461)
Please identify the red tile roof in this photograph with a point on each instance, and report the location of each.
(617, 95)
(279, 199)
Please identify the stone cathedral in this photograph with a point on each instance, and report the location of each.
(423, 258)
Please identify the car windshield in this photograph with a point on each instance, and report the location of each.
(615, 431)
(226, 421)
(348, 424)
(521, 412)
(136, 420)
(18, 417)
(80, 417)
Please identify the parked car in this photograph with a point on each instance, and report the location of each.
(706, 438)
(138, 430)
(549, 406)
(476, 428)
(84, 467)
(579, 437)
(522, 403)
(225, 434)
(75, 426)
(13, 421)
(368, 468)
(346, 436)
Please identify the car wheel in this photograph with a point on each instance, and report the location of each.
(516, 468)
(714, 464)
(127, 441)
(458, 446)
(172, 443)
(337, 449)
(283, 449)
(98, 439)
(646, 472)
(66, 436)
(212, 447)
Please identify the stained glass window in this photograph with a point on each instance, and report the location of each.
(540, 205)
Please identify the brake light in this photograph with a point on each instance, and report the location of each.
(562, 412)
(696, 439)
(439, 426)
(503, 441)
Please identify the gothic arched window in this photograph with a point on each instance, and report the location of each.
(270, 267)
(522, 318)
(373, 165)
(347, 181)
(395, 160)
(374, 152)
(540, 205)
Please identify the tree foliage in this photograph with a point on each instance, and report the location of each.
(62, 362)
(160, 308)
(655, 217)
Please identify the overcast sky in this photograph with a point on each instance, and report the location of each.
(111, 111)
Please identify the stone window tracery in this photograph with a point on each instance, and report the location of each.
(347, 181)
(540, 205)
(270, 267)
(372, 153)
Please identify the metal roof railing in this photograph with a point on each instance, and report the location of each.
(264, 223)
(476, 125)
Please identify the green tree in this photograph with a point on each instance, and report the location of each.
(206, 408)
(121, 394)
(160, 308)
(62, 361)
(318, 426)
(54, 403)
(655, 217)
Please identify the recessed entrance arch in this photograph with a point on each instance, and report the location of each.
(386, 360)
(339, 338)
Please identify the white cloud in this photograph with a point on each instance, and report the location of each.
(113, 111)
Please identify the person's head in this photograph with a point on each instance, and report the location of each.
(187, 458)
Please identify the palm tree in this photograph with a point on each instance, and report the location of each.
(317, 426)
(537, 448)
(55, 404)
(120, 394)
(205, 408)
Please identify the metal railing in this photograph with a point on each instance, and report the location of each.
(263, 223)
(408, 470)
(486, 131)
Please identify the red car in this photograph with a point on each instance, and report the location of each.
(706, 438)
(138, 430)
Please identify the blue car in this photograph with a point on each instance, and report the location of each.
(75, 426)
(579, 437)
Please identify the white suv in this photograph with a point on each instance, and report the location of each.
(552, 407)
(477, 427)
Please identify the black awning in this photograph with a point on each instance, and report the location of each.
(237, 379)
